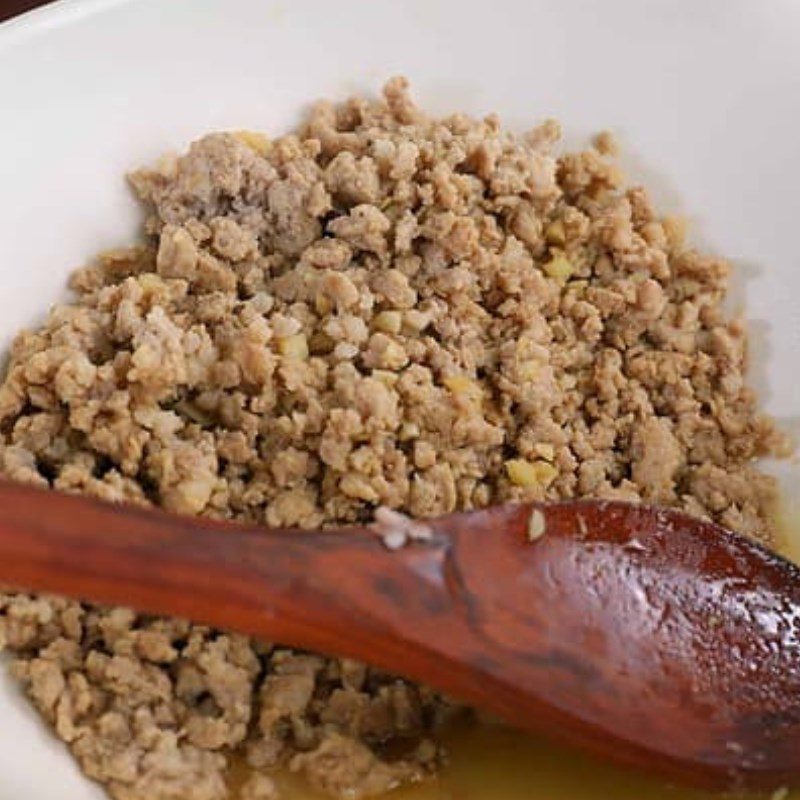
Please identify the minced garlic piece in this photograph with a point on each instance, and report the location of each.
(408, 431)
(554, 233)
(388, 321)
(545, 450)
(323, 305)
(462, 386)
(536, 525)
(294, 347)
(458, 384)
(530, 473)
(255, 141)
(528, 370)
(578, 287)
(385, 376)
(559, 267)
(675, 228)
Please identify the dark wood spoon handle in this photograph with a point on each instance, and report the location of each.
(643, 635)
(302, 589)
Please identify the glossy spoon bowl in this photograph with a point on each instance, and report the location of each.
(641, 634)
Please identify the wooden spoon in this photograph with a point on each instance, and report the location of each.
(643, 635)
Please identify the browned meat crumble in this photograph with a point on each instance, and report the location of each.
(381, 310)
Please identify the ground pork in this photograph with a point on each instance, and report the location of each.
(381, 310)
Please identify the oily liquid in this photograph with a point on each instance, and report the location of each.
(491, 762)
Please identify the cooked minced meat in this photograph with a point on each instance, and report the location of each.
(381, 310)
